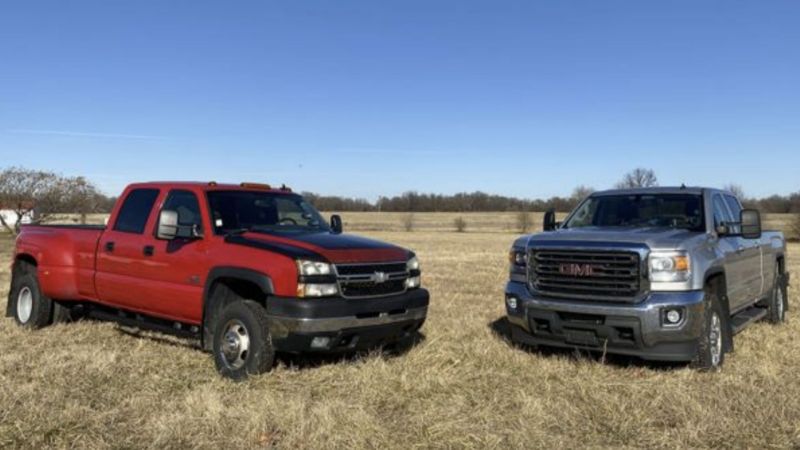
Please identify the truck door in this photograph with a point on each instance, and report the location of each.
(734, 261)
(120, 268)
(751, 253)
(173, 271)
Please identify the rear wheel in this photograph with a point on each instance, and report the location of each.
(711, 345)
(242, 345)
(30, 307)
(776, 308)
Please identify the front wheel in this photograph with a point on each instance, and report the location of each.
(711, 345)
(242, 344)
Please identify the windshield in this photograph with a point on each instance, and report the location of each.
(262, 211)
(659, 210)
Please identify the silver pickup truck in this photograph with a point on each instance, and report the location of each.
(659, 273)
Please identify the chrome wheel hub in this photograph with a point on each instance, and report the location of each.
(24, 304)
(235, 344)
(715, 339)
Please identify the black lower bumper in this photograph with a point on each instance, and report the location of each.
(342, 324)
(627, 329)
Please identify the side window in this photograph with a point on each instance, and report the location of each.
(134, 212)
(188, 208)
(721, 213)
(736, 211)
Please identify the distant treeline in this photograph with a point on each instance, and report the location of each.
(483, 202)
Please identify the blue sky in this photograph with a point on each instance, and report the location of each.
(526, 98)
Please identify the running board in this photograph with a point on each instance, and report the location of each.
(143, 322)
(741, 320)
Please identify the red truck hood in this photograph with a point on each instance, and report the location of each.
(335, 248)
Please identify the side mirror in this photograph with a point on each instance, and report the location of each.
(549, 220)
(167, 225)
(751, 224)
(336, 223)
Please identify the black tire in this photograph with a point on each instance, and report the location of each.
(778, 299)
(242, 320)
(65, 312)
(31, 309)
(715, 332)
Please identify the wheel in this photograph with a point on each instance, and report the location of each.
(777, 305)
(715, 332)
(30, 307)
(242, 344)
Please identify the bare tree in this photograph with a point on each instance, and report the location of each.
(580, 193)
(408, 222)
(637, 178)
(39, 195)
(460, 224)
(524, 222)
(736, 190)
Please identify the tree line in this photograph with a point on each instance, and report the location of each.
(41, 195)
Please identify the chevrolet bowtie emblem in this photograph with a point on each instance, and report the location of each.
(380, 277)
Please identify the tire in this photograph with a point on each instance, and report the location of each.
(778, 300)
(715, 332)
(242, 344)
(31, 309)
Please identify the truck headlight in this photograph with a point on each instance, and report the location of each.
(414, 278)
(311, 268)
(669, 266)
(305, 290)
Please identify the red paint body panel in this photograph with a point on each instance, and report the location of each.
(75, 263)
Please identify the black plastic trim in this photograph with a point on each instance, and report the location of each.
(343, 307)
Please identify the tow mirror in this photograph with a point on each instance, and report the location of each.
(336, 223)
(751, 224)
(549, 220)
(167, 225)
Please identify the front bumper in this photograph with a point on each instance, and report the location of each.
(343, 324)
(629, 329)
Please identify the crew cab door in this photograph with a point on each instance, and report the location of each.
(735, 261)
(174, 269)
(119, 278)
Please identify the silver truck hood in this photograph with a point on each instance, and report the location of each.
(651, 237)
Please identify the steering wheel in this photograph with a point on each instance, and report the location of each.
(287, 221)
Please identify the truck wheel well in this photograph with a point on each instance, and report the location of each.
(25, 258)
(221, 293)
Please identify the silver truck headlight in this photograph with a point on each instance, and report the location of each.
(414, 279)
(669, 266)
(413, 263)
(311, 268)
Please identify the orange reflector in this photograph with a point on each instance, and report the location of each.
(681, 263)
(256, 186)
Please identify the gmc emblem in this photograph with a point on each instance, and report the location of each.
(576, 270)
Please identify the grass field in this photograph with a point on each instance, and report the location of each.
(92, 384)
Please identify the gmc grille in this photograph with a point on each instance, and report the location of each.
(371, 280)
(597, 275)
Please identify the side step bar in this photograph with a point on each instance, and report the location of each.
(741, 320)
(142, 322)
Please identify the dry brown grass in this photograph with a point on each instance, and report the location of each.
(92, 385)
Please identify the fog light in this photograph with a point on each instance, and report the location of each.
(673, 316)
(412, 282)
(511, 302)
(320, 342)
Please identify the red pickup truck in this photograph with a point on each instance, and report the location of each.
(248, 269)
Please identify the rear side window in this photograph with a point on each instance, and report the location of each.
(134, 212)
(188, 208)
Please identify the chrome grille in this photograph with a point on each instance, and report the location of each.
(372, 279)
(601, 275)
